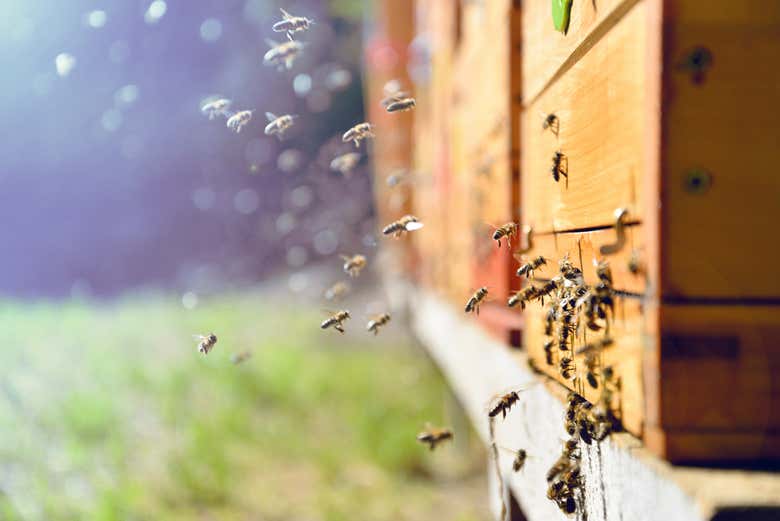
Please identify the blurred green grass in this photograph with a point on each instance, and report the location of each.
(108, 412)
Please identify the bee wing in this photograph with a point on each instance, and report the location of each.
(270, 116)
(285, 14)
(199, 338)
(345, 258)
(271, 43)
(410, 227)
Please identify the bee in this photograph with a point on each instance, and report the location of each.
(240, 358)
(345, 163)
(520, 458)
(278, 124)
(358, 133)
(376, 322)
(353, 265)
(337, 291)
(291, 24)
(548, 351)
(521, 297)
(503, 404)
(635, 263)
(393, 93)
(567, 368)
(547, 288)
(401, 105)
(560, 166)
(239, 120)
(603, 272)
(336, 321)
(217, 107)
(505, 231)
(206, 342)
(592, 365)
(551, 121)
(407, 223)
(472, 305)
(282, 55)
(549, 320)
(528, 268)
(571, 449)
(433, 436)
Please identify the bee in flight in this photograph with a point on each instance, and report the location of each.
(345, 163)
(353, 265)
(505, 231)
(282, 55)
(206, 342)
(520, 458)
(528, 268)
(407, 223)
(473, 303)
(560, 166)
(433, 436)
(401, 105)
(240, 358)
(552, 122)
(239, 120)
(336, 291)
(502, 404)
(358, 133)
(278, 124)
(336, 321)
(217, 107)
(291, 24)
(522, 296)
(376, 322)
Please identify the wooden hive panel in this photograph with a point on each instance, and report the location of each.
(724, 121)
(600, 104)
(547, 51)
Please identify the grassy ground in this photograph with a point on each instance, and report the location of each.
(109, 412)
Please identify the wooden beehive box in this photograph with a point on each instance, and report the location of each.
(668, 110)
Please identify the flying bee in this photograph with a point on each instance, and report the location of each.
(353, 265)
(278, 124)
(239, 120)
(472, 305)
(282, 55)
(407, 223)
(635, 263)
(358, 133)
(337, 291)
(433, 436)
(376, 322)
(603, 272)
(567, 368)
(291, 24)
(394, 94)
(547, 288)
(560, 166)
(401, 105)
(521, 297)
(528, 268)
(217, 107)
(552, 122)
(345, 163)
(240, 358)
(503, 404)
(520, 458)
(505, 231)
(206, 342)
(336, 321)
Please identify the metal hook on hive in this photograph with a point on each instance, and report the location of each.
(528, 233)
(620, 218)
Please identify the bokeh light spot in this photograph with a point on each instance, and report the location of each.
(96, 18)
(189, 300)
(111, 120)
(326, 241)
(64, 63)
(246, 201)
(302, 84)
(204, 198)
(155, 11)
(211, 30)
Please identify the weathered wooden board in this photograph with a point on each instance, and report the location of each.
(548, 52)
(600, 106)
(719, 235)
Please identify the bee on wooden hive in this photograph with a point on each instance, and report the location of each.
(345, 163)
(240, 358)
(407, 223)
(603, 272)
(472, 305)
(358, 133)
(505, 231)
(337, 291)
(548, 287)
(376, 322)
(239, 120)
(521, 297)
(217, 107)
(502, 404)
(336, 321)
(528, 268)
(278, 125)
(433, 436)
(560, 166)
(549, 344)
(291, 24)
(551, 122)
(282, 55)
(206, 342)
(353, 265)
(567, 368)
